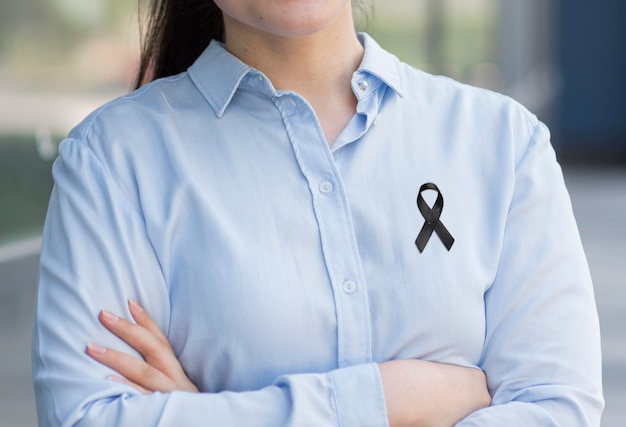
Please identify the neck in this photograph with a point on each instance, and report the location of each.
(299, 63)
(319, 67)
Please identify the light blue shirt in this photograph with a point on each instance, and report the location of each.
(283, 270)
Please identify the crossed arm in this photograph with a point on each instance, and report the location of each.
(417, 393)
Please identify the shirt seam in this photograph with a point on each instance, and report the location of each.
(335, 398)
(535, 126)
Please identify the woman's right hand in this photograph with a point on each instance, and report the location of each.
(159, 370)
(420, 393)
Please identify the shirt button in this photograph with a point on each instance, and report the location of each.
(363, 85)
(349, 286)
(326, 187)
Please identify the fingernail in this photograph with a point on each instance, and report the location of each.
(109, 316)
(135, 305)
(96, 348)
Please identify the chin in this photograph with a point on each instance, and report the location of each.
(300, 27)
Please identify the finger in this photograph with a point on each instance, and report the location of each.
(155, 351)
(136, 386)
(132, 368)
(143, 319)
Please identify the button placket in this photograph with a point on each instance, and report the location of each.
(336, 233)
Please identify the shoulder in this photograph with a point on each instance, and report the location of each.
(477, 113)
(139, 121)
(444, 91)
(139, 111)
(443, 100)
(132, 133)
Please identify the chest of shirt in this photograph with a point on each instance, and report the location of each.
(298, 259)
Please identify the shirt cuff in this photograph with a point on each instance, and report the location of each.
(359, 396)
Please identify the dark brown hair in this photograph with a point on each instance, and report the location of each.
(176, 32)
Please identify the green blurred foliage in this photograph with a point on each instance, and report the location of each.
(25, 185)
(48, 31)
(446, 40)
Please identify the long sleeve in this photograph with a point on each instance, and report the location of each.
(96, 254)
(542, 349)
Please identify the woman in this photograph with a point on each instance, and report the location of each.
(320, 234)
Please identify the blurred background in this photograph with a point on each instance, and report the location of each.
(564, 60)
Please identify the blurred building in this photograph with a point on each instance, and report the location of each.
(592, 53)
(566, 60)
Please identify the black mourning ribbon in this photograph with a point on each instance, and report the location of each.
(432, 223)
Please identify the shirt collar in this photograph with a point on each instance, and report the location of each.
(218, 74)
(381, 64)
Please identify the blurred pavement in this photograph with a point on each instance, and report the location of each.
(599, 200)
